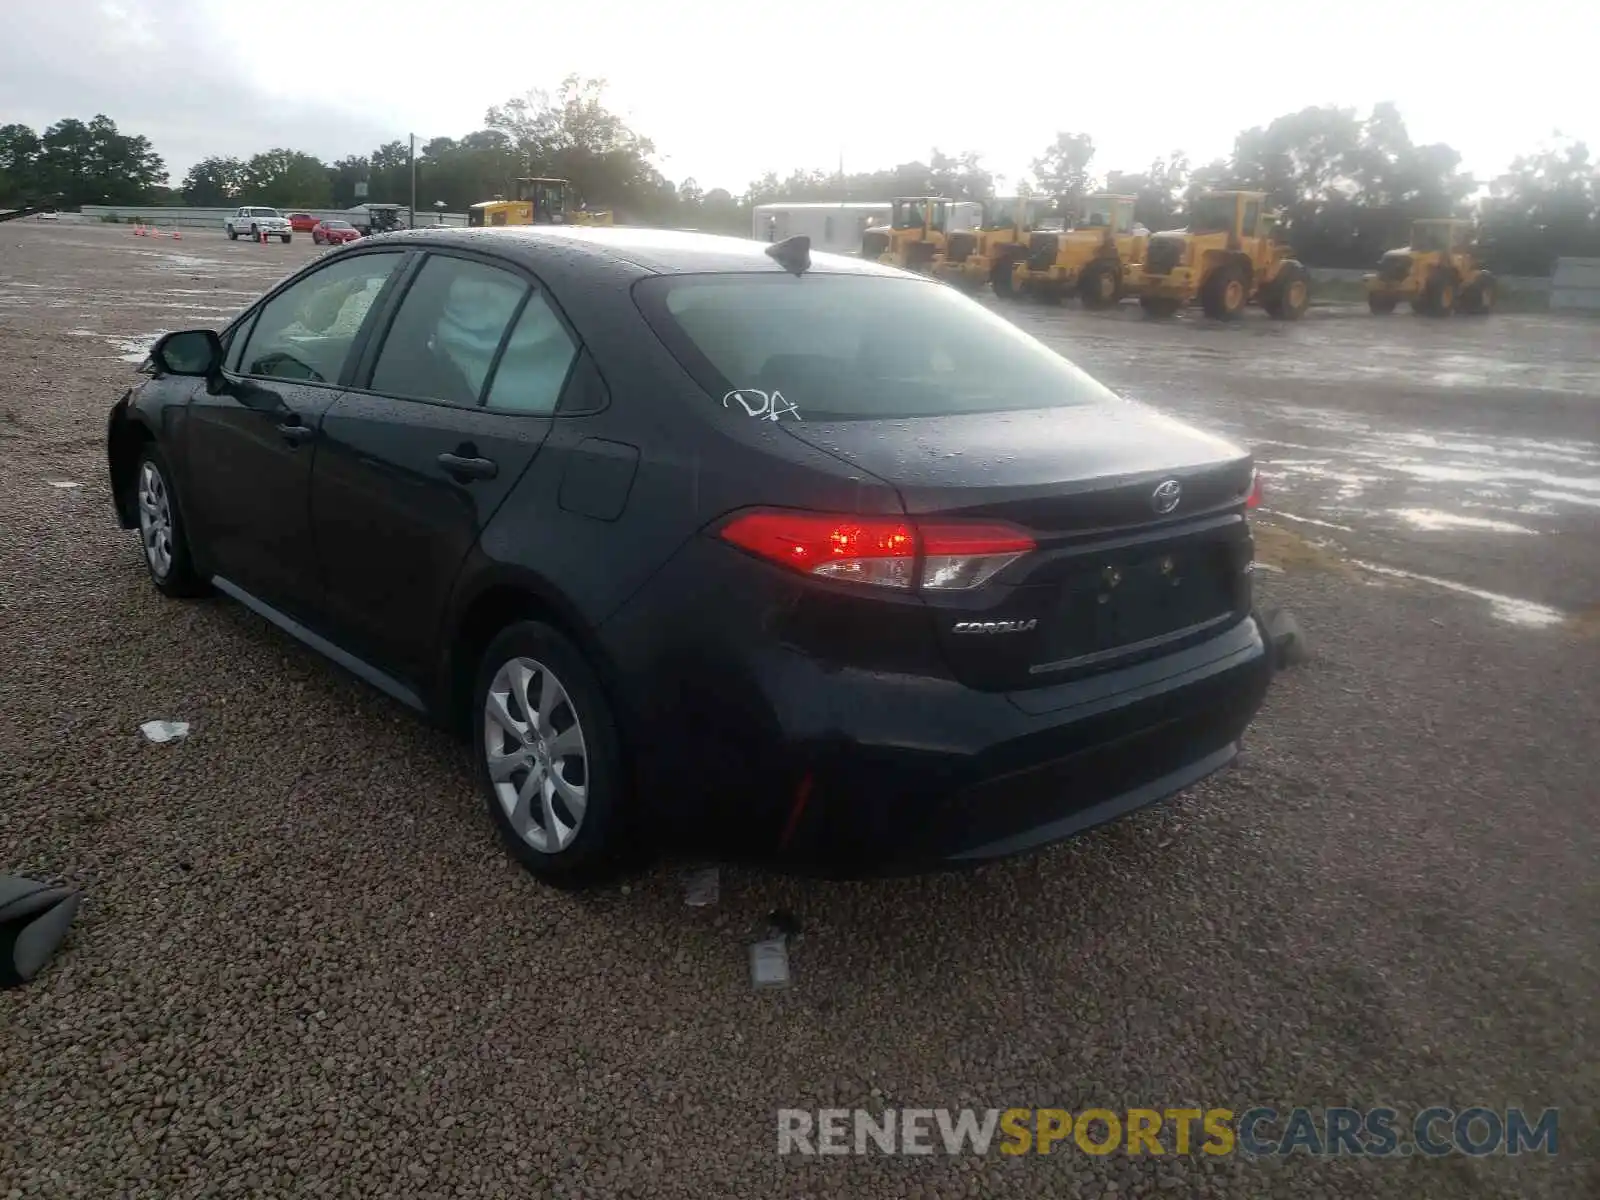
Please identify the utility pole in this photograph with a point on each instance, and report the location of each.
(411, 213)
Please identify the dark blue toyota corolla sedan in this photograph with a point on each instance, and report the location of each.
(705, 539)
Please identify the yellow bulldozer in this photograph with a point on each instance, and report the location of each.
(918, 229)
(537, 202)
(1227, 256)
(1437, 274)
(988, 254)
(1091, 260)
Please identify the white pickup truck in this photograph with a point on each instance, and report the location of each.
(252, 221)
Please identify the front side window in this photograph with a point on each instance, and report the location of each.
(448, 329)
(854, 347)
(306, 331)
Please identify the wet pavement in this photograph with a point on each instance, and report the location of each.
(1461, 450)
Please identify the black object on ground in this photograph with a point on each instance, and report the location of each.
(34, 918)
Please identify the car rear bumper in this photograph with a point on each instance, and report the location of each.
(1035, 778)
(755, 748)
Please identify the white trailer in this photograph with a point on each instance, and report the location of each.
(836, 228)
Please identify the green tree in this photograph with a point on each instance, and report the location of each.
(1546, 206)
(94, 163)
(574, 136)
(19, 164)
(1062, 171)
(288, 179)
(215, 183)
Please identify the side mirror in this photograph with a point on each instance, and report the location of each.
(188, 352)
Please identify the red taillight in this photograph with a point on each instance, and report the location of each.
(879, 550)
(1253, 499)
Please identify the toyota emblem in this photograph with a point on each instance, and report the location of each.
(1165, 498)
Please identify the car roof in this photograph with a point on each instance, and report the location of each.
(647, 251)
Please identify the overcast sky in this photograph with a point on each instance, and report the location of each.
(730, 89)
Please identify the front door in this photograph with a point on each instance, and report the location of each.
(251, 436)
(414, 464)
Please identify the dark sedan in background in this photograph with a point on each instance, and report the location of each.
(699, 537)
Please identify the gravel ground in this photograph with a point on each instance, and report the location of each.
(303, 966)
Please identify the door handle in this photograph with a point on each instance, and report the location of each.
(295, 433)
(464, 469)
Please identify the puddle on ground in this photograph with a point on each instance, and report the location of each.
(1435, 521)
(134, 349)
(1527, 613)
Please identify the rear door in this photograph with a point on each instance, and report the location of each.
(251, 437)
(457, 398)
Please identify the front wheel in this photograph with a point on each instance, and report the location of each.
(1289, 294)
(1101, 286)
(1381, 305)
(1224, 294)
(286, 238)
(1438, 298)
(549, 762)
(161, 530)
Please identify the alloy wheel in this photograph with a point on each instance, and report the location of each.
(538, 760)
(155, 520)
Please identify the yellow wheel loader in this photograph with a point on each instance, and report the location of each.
(1437, 274)
(537, 202)
(915, 237)
(1227, 256)
(1091, 260)
(988, 254)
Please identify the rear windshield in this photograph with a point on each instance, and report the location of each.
(263, 212)
(856, 347)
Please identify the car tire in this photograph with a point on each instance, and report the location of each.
(530, 772)
(233, 234)
(287, 238)
(1381, 305)
(163, 539)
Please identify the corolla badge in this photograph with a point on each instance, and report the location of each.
(1166, 496)
(995, 626)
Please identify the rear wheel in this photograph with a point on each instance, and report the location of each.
(233, 234)
(548, 757)
(1101, 285)
(1382, 305)
(1290, 293)
(1224, 293)
(1478, 297)
(1159, 306)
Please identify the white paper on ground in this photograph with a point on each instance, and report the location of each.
(703, 888)
(165, 731)
(769, 963)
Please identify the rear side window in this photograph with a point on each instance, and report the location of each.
(854, 347)
(450, 324)
(537, 358)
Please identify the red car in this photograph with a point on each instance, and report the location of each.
(302, 222)
(334, 232)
